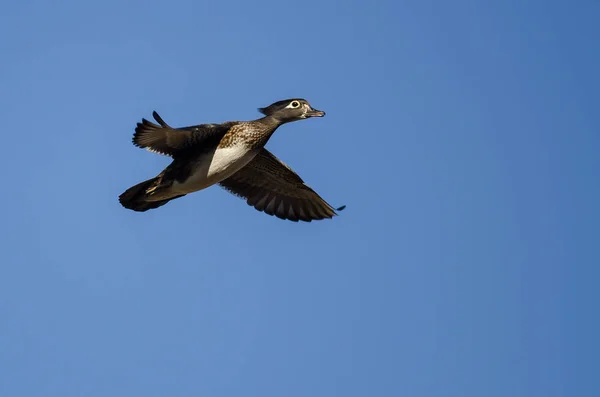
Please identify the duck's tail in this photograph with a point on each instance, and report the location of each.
(135, 198)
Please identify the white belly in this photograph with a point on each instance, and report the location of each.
(213, 168)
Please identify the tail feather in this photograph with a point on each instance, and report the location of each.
(134, 198)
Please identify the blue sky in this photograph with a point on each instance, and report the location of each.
(463, 137)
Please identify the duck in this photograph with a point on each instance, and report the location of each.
(231, 154)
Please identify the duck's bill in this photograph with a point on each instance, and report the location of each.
(315, 113)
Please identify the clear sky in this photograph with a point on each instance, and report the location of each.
(463, 137)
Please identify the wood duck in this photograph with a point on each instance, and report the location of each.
(230, 154)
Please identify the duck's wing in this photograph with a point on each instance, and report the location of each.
(271, 186)
(163, 139)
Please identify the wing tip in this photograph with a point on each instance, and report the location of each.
(144, 134)
(159, 119)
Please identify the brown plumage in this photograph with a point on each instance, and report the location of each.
(231, 154)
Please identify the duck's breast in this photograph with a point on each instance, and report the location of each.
(214, 166)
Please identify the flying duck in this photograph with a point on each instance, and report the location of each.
(230, 154)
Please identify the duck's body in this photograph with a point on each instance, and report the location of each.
(209, 164)
(231, 154)
(215, 166)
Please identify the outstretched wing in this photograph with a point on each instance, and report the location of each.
(271, 186)
(164, 139)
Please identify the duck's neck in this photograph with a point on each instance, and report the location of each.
(270, 122)
(267, 126)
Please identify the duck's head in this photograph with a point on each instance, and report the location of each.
(291, 110)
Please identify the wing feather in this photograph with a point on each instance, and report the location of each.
(163, 139)
(269, 185)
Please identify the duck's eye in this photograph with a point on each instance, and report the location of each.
(295, 104)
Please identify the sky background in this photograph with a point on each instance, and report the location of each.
(462, 136)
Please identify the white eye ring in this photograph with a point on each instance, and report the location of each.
(295, 104)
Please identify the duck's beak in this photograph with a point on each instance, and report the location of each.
(315, 113)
